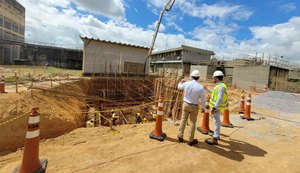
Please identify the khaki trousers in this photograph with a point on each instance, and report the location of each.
(192, 111)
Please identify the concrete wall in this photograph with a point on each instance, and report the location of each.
(228, 71)
(245, 75)
(110, 58)
(195, 57)
(206, 72)
(202, 69)
(160, 69)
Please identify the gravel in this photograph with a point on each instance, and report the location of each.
(278, 101)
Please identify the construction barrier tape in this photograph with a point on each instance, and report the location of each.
(13, 119)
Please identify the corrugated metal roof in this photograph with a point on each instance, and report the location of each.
(113, 42)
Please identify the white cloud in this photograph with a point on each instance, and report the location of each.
(172, 20)
(111, 8)
(61, 24)
(282, 39)
(157, 3)
(219, 10)
(288, 7)
(153, 27)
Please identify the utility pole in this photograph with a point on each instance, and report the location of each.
(167, 7)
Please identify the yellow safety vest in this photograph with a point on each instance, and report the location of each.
(114, 115)
(214, 98)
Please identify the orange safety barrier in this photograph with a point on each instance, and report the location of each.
(247, 114)
(157, 133)
(30, 162)
(204, 129)
(2, 87)
(242, 104)
(226, 121)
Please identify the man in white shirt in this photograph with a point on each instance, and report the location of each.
(192, 92)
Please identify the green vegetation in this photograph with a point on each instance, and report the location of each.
(35, 70)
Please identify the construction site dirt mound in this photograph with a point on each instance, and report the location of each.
(53, 124)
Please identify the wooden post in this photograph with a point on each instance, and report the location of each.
(124, 117)
(127, 70)
(29, 76)
(16, 77)
(31, 88)
(51, 82)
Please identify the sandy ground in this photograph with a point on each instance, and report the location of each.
(263, 145)
(14, 104)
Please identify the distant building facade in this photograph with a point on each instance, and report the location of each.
(34, 54)
(179, 60)
(12, 29)
(101, 57)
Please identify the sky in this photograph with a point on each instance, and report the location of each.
(231, 28)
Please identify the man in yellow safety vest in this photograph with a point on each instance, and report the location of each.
(218, 102)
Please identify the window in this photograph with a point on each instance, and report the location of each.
(6, 36)
(7, 23)
(21, 30)
(1, 34)
(14, 37)
(1, 20)
(14, 27)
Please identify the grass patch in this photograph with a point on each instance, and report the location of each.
(13, 79)
(35, 70)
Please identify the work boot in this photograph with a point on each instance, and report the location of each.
(212, 134)
(180, 139)
(195, 141)
(213, 141)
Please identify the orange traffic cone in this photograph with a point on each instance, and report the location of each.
(242, 104)
(2, 87)
(157, 133)
(30, 161)
(247, 113)
(226, 121)
(204, 129)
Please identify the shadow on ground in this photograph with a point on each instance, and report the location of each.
(232, 149)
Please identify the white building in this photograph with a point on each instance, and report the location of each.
(101, 57)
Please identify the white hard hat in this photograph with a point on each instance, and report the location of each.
(195, 73)
(218, 73)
